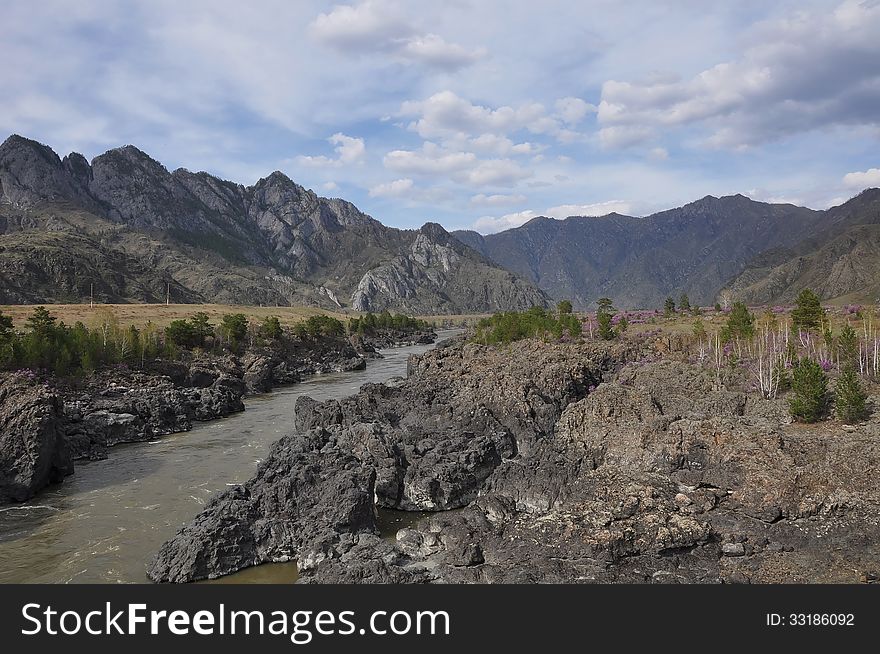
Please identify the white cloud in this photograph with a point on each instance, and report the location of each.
(447, 115)
(377, 27)
(497, 200)
(396, 189)
(433, 50)
(573, 110)
(491, 224)
(463, 167)
(349, 150)
(330, 186)
(804, 72)
(864, 179)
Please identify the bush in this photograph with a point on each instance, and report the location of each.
(320, 325)
(370, 322)
(233, 328)
(512, 326)
(850, 399)
(808, 312)
(810, 387)
(684, 303)
(181, 333)
(669, 307)
(271, 328)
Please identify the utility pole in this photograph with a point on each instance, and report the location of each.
(167, 293)
(92, 295)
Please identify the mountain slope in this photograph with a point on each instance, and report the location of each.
(638, 262)
(133, 228)
(840, 258)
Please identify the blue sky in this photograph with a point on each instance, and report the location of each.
(475, 114)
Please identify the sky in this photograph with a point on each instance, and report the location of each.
(475, 114)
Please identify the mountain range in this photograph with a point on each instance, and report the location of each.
(126, 229)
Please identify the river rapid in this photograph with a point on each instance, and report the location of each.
(103, 524)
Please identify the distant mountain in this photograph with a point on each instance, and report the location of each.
(839, 258)
(638, 262)
(127, 226)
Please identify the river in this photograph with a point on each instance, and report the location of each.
(104, 523)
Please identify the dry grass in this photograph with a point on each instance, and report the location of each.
(162, 314)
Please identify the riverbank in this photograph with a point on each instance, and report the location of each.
(579, 462)
(103, 524)
(47, 423)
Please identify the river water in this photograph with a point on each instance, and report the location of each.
(104, 523)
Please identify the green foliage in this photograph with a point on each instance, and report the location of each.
(181, 333)
(717, 306)
(320, 325)
(271, 328)
(810, 386)
(850, 399)
(848, 346)
(233, 328)
(537, 322)
(808, 312)
(202, 329)
(740, 323)
(5, 327)
(699, 329)
(606, 304)
(669, 307)
(370, 322)
(606, 328)
(684, 303)
(564, 306)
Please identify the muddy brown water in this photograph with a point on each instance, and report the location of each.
(104, 523)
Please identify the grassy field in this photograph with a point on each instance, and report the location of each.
(162, 314)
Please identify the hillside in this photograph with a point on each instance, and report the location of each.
(131, 229)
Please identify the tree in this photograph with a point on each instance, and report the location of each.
(271, 328)
(41, 322)
(669, 307)
(564, 306)
(5, 327)
(606, 329)
(699, 329)
(848, 346)
(850, 399)
(810, 386)
(181, 333)
(202, 329)
(740, 323)
(808, 312)
(606, 304)
(684, 303)
(725, 299)
(233, 328)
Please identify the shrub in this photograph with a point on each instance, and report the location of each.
(699, 329)
(564, 306)
(808, 312)
(512, 326)
(271, 328)
(181, 333)
(233, 328)
(669, 307)
(684, 303)
(850, 399)
(810, 387)
(201, 328)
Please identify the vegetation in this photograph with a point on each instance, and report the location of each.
(740, 323)
(684, 303)
(318, 326)
(537, 322)
(370, 322)
(669, 307)
(850, 399)
(809, 384)
(564, 306)
(808, 312)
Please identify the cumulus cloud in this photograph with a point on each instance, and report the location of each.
(349, 150)
(573, 110)
(497, 200)
(396, 189)
(463, 167)
(491, 224)
(805, 72)
(862, 179)
(448, 115)
(372, 27)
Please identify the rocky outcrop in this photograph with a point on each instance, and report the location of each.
(33, 451)
(579, 463)
(310, 499)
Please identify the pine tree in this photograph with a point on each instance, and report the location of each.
(684, 303)
(810, 386)
(850, 399)
(808, 312)
(669, 307)
(564, 306)
(848, 346)
(740, 323)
